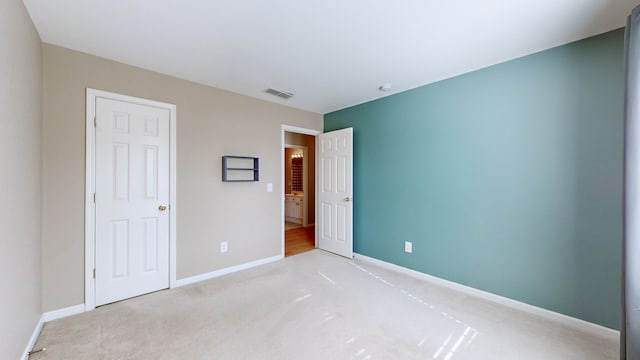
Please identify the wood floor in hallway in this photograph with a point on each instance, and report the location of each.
(299, 240)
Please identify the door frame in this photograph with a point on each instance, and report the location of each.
(295, 129)
(90, 169)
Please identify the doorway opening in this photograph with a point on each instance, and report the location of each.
(299, 190)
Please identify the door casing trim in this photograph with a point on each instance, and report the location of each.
(90, 168)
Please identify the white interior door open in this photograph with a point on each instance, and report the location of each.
(132, 200)
(335, 191)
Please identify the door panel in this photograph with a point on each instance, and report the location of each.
(121, 172)
(150, 244)
(327, 167)
(120, 245)
(132, 181)
(151, 172)
(335, 192)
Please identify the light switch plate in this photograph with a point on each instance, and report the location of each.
(269, 187)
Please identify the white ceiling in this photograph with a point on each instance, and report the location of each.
(330, 53)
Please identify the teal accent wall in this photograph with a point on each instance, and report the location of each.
(507, 179)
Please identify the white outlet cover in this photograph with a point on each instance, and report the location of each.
(224, 246)
(408, 246)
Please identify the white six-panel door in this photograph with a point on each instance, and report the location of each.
(335, 191)
(132, 198)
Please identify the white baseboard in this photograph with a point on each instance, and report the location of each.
(33, 338)
(293, 220)
(64, 312)
(225, 271)
(48, 316)
(578, 324)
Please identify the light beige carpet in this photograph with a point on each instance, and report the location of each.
(315, 306)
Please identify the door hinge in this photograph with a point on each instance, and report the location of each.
(94, 273)
(94, 197)
(95, 121)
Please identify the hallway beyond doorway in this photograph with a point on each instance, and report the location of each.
(299, 240)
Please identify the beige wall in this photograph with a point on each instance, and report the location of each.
(20, 179)
(211, 123)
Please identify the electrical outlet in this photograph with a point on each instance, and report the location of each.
(408, 246)
(224, 247)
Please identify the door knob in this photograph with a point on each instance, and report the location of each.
(347, 199)
(162, 208)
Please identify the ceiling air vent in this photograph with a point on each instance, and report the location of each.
(282, 94)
